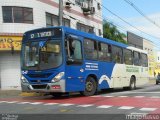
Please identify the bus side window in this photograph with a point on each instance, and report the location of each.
(144, 60)
(136, 59)
(127, 56)
(116, 54)
(73, 51)
(90, 49)
(104, 52)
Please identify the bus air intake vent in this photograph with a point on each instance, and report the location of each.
(41, 81)
(39, 75)
(39, 86)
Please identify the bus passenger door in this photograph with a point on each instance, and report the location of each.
(74, 64)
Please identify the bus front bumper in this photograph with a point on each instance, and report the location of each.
(45, 88)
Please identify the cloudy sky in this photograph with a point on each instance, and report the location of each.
(151, 9)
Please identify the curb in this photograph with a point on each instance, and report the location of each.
(27, 94)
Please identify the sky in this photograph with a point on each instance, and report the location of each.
(151, 8)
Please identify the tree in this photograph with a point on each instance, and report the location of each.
(110, 31)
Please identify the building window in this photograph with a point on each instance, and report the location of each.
(98, 6)
(100, 32)
(52, 20)
(78, 2)
(85, 28)
(17, 14)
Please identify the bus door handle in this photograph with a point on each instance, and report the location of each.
(70, 77)
(80, 77)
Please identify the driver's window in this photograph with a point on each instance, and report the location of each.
(73, 51)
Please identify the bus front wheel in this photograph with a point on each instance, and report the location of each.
(90, 87)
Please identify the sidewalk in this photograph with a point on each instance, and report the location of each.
(7, 93)
(16, 93)
(152, 80)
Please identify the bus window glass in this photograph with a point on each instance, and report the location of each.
(42, 55)
(127, 57)
(90, 49)
(136, 58)
(73, 51)
(104, 52)
(117, 54)
(144, 60)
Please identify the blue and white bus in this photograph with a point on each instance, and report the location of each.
(58, 60)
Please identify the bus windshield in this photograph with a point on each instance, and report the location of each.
(41, 55)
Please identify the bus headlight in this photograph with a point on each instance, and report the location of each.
(23, 79)
(58, 77)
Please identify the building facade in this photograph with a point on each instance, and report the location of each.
(18, 16)
(150, 48)
(147, 45)
(157, 63)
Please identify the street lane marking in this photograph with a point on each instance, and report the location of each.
(66, 104)
(89, 105)
(12, 102)
(122, 96)
(135, 92)
(51, 104)
(148, 109)
(155, 97)
(104, 106)
(108, 96)
(3, 101)
(23, 103)
(126, 107)
(139, 96)
(96, 96)
(36, 103)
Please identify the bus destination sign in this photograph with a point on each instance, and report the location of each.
(41, 34)
(46, 33)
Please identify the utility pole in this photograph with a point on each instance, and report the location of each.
(60, 12)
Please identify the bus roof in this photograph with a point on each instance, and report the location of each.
(91, 36)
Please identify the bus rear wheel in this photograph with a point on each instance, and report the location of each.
(132, 85)
(90, 87)
(56, 94)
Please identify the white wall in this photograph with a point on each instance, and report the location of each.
(39, 9)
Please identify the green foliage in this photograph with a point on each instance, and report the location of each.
(110, 31)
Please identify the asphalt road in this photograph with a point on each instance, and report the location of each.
(114, 104)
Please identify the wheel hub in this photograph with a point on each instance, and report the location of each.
(89, 86)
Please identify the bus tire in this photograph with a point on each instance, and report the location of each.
(90, 87)
(132, 85)
(156, 82)
(56, 94)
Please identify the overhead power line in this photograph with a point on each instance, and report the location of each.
(157, 44)
(128, 22)
(140, 12)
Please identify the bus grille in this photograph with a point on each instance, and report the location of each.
(39, 75)
(39, 86)
(41, 81)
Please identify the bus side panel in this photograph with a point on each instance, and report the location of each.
(74, 78)
(105, 75)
